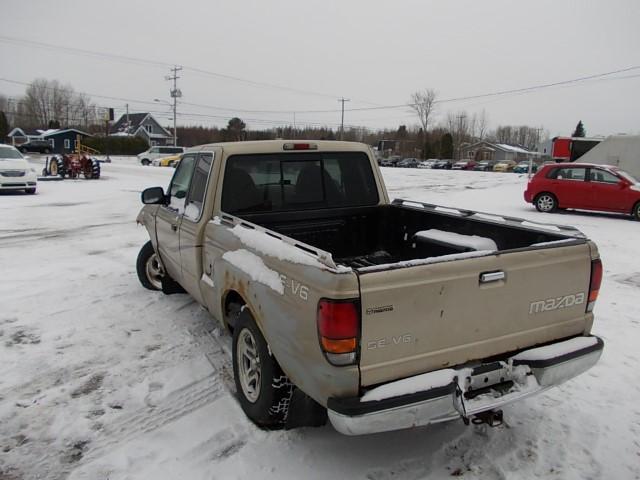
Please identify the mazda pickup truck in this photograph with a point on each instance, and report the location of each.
(376, 314)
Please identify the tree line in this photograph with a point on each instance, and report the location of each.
(437, 134)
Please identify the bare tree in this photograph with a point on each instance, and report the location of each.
(482, 124)
(424, 103)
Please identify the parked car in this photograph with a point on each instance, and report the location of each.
(464, 165)
(504, 166)
(408, 163)
(584, 186)
(523, 167)
(166, 161)
(484, 166)
(443, 164)
(333, 316)
(37, 146)
(426, 163)
(15, 172)
(386, 162)
(157, 152)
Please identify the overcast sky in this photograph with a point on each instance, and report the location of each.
(372, 52)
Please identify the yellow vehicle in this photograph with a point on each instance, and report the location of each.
(170, 161)
(504, 166)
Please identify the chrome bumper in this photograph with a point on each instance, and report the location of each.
(470, 391)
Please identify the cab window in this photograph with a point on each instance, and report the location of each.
(180, 183)
(198, 188)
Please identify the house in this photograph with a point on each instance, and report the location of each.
(142, 125)
(62, 140)
(496, 152)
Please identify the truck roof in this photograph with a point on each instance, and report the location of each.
(275, 146)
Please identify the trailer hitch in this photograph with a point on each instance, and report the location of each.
(493, 418)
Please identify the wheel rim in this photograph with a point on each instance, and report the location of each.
(249, 370)
(545, 203)
(155, 272)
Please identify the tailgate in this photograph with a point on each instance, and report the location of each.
(427, 317)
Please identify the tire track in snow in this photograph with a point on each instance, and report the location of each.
(126, 428)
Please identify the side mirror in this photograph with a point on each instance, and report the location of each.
(622, 184)
(153, 196)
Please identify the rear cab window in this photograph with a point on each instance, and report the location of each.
(282, 182)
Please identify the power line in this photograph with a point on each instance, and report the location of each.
(154, 63)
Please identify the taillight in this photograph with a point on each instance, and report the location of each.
(594, 285)
(338, 330)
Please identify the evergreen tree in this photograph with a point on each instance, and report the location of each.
(579, 131)
(446, 146)
(4, 127)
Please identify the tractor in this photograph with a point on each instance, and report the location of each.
(72, 165)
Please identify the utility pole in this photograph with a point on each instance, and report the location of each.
(459, 132)
(294, 125)
(342, 100)
(127, 106)
(175, 94)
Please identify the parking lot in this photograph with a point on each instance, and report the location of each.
(104, 379)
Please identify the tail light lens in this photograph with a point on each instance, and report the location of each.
(338, 330)
(594, 285)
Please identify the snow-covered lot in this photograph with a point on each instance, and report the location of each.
(102, 379)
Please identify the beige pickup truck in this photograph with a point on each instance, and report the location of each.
(378, 315)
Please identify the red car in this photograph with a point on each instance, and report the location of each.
(584, 186)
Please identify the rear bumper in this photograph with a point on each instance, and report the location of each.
(452, 393)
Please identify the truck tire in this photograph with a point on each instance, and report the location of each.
(545, 202)
(263, 389)
(636, 211)
(149, 268)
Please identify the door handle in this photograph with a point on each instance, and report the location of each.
(491, 277)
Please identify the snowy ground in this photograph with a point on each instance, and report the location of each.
(102, 379)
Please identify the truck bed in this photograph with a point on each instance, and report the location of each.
(367, 237)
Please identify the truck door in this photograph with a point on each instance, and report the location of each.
(192, 226)
(169, 217)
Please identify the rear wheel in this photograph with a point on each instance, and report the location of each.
(636, 211)
(149, 269)
(264, 391)
(145, 161)
(95, 169)
(546, 202)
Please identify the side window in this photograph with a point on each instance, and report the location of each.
(180, 183)
(602, 176)
(569, 173)
(198, 189)
(154, 150)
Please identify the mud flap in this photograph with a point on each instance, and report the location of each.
(170, 286)
(304, 411)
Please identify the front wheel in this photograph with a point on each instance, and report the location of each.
(146, 162)
(545, 202)
(636, 211)
(264, 391)
(149, 269)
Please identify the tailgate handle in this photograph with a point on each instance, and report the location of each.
(491, 277)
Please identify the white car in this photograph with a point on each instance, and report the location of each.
(15, 172)
(147, 157)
